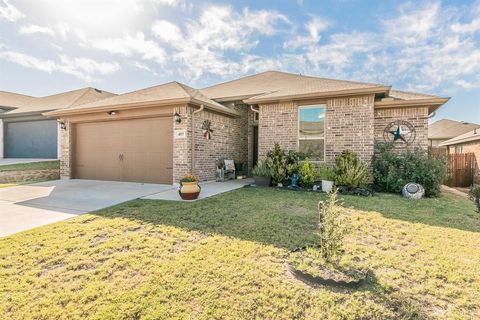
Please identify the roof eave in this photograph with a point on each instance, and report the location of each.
(433, 104)
(221, 109)
(25, 114)
(464, 140)
(328, 94)
(74, 111)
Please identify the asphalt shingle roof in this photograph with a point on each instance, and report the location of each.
(448, 129)
(172, 91)
(25, 104)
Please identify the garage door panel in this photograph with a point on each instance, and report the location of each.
(145, 146)
(31, 139)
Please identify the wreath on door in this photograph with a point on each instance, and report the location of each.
(206, 128)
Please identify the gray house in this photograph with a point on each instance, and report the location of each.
(25, 132)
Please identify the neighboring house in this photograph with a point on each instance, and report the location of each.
(25, 132)
(445, 129)
(466, 143)
(161, 133)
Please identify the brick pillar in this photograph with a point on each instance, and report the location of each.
(65, 136)
(182, 137)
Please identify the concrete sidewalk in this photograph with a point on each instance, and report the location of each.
(208, 189)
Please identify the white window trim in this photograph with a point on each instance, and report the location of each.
(313, 106)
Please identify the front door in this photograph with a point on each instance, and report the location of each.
(255, 145)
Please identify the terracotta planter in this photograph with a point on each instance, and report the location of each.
(262, 181)
(189, 190)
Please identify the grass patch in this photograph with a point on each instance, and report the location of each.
(42, 165)
(223, 258)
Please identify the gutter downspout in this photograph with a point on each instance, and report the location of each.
(254, 110)
(193, 136)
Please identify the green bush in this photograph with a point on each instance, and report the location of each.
(262, 169)
(283, 164)
(307, 174)
(326, 173)
(392, 169)
(475, 196)
(350, 171)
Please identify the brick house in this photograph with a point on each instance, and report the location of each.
(159, 134)
(467, 143)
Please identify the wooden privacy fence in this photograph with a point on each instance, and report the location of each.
(460, 170)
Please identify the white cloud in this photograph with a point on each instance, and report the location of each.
(203, 45)
(167, 32)
(129, 45)
(144, 67)
(9, 12)
(82, 68)
(472, 26)
(314, 27)
(413, 24)
(34, 29)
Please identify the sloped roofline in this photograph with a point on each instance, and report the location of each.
(264, 98)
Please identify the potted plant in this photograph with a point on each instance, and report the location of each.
(262, 174)
(327, 175)
(189, 188)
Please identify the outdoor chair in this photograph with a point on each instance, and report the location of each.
(225, 169)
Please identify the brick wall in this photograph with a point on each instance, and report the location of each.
(418, 116)
(277, 124)
(350, 126)
(182, 160)
(349, 123)
(228, 140)
(65, 137)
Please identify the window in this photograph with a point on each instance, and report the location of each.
(458, 149)
(311, 132)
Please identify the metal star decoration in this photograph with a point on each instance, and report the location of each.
(398, 134)
(399, 131)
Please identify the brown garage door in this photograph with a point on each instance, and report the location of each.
(137, 150)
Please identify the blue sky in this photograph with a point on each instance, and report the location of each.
(49, 46)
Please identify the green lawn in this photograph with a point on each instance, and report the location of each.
(224, 258)
(42, 165)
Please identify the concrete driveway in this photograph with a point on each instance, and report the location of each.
(29, 206)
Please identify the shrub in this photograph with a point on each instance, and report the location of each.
(189, 178)
(262, 169)
(475, 196)
(326, 173)
(393, 169)
(332, 227)
(307, 174)
(283, 164)
(350, 171)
